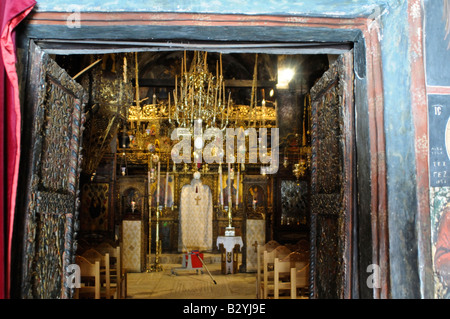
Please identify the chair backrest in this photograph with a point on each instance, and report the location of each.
(271, 245)
(296, 258)
(302, 276)
(93, 254)
(114, 254)
(90, 269)
(104, 248)
(282, 251)
(296, 270)
(87, 268)
(283, 268)
(117, 271)
(268, 258)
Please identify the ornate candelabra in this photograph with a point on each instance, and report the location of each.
(153, 266)
(304, 162)
(199, 94)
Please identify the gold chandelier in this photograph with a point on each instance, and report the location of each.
(200, 95)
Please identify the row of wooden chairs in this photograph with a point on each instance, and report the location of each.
(102, 274)
(281, 269)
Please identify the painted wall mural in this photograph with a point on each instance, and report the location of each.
(437, 45)
(437, 42)
(439, 163)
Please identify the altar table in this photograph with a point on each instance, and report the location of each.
(229, 243)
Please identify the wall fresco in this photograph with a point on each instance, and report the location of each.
(437, 46)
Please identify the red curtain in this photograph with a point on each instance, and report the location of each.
(12, 12)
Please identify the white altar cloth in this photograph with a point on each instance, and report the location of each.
(228, 243)
(196, 211)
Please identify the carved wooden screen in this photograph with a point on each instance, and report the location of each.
(56, 102)
(331, 175)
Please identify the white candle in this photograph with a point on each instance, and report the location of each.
(221, 184)
(157, 186)
(167, 186)
(169, 107)
(229, 186)
(237, 190)
(149, 192)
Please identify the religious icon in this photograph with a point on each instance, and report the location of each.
(447, 137)
(152, 130)
(255, 197)
(442, 252)
(225, 191)
(132, 202)
(151, 147)
(94, 207)
(162, 191)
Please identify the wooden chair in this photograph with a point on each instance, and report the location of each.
(282, 251)
(302, 246)
(267, 283)
(269, 246)
(283, 268)
(117, 272)
(89, 279)
(93, 255)
(302, 281)
(291, 273)
(259, 269)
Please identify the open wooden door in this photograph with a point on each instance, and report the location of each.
(332, 174)
(54, 121)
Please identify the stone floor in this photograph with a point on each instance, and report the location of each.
(190, 284)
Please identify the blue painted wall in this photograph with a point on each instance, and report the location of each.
(339, 8)
(400, 153)
(437, 45)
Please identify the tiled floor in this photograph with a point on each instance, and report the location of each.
(187, 284)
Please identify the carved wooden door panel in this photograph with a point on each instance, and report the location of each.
(56, 103)
(331, 175)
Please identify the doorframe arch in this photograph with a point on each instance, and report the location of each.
(361, 33)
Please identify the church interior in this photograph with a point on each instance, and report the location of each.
(221, 150)
(131, 189)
